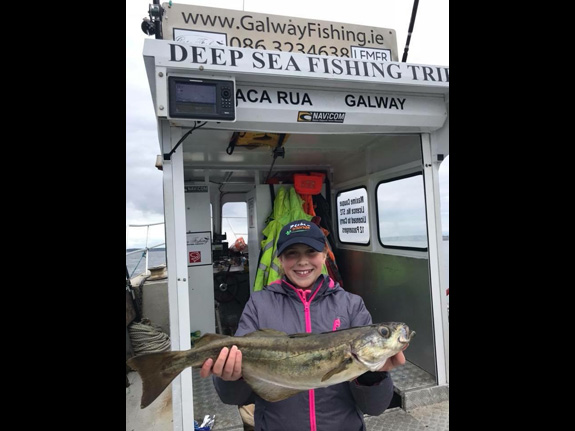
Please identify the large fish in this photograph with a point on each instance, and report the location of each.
(277, 365)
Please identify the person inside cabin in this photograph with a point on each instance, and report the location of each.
(304, 300)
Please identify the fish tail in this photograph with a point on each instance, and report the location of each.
(157, 371)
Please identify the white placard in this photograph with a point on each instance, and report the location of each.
(352, 216)
(375, 54)
(199, 248)
(200, 37)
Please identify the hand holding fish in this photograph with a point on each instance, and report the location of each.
(394, 361)
(228, 365)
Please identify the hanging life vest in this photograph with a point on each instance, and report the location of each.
(288, 206)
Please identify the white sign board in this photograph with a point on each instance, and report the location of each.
(321, 106)
(242, 29)
(352, 216)
(412, 98)
(238, 61)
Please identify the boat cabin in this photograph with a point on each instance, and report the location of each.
(360, 141)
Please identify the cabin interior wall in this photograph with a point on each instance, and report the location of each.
(383, 153)
(394, 288)
(259, 208)
(216, 210)
(200, 275)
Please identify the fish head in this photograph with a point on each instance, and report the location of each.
(379, 342)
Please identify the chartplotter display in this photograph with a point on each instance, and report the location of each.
(202, 99)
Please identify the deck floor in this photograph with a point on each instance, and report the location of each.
(434, 417)
(158, 415)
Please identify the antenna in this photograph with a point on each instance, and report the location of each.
(411, 22)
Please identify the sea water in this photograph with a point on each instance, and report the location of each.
(136, 262)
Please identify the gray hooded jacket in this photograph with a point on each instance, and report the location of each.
(328, 307)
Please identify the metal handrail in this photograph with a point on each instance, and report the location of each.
(142, 225)
(145, 249)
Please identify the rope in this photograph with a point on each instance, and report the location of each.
(147, 338)
(136, 267)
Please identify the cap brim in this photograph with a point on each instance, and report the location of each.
(313, 243)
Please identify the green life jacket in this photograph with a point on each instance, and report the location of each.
(288, 206)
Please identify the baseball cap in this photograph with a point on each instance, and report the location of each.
(301, 232)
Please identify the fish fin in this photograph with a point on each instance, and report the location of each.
(269, 391)
(274, 333)
(301, 335)
(266, 333)
(340, 368)
(157, 371)
(208, 338)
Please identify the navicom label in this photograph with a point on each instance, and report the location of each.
(320, 117)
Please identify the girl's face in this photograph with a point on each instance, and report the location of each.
(302, 264)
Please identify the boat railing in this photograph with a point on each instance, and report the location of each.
(143, 250)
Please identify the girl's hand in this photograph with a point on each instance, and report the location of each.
(228, 365)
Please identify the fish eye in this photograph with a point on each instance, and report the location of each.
(384, 331)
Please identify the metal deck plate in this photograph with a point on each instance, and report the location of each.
(410, 376)
(429, 418)
(207, 402)
(416, 387)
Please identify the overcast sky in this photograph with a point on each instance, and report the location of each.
(144, 196)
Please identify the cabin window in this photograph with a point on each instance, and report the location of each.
(401, 219)
(352, 216)
(235, 221)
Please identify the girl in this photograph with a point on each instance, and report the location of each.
(304, 300)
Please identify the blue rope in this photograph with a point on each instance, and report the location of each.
(138, 264)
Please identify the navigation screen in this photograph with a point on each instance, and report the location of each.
(201, 99)
(196, 93)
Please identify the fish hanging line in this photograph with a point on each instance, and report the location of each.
(168, 156)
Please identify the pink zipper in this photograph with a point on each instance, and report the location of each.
(302, 295)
